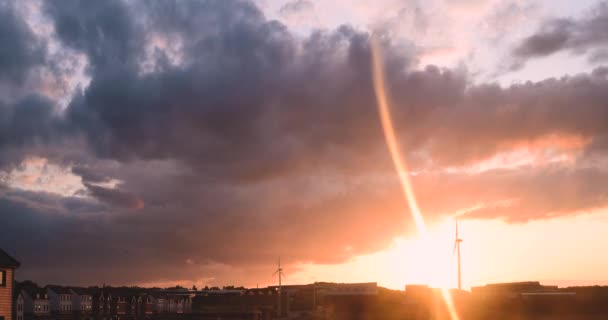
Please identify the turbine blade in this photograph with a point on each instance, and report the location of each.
(275, 272)
(456, 228)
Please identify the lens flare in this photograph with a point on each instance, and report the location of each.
(386, 120)
(391, 139)
(449, 303)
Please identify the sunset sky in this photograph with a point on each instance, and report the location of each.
(194, 142)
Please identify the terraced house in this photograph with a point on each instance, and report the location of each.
(83, 302)
(36, 304)
(61, 302)
(8, 265)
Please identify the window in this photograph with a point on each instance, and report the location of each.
(2, 278)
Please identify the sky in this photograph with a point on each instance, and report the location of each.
(158, 143)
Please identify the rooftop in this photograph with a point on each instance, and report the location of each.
(59, 289)
(7, 261)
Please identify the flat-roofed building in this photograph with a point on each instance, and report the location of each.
(511, 289)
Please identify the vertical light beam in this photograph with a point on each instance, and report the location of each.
(393, 147)
(391, 139)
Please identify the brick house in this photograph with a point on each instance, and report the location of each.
(8, 265)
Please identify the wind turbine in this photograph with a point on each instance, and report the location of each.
(457, 242)
(279, 271)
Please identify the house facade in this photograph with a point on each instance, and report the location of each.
(8, 265)
(19, 307)
(82, 302)
(103, 305)
(36, 304)
(61, 301)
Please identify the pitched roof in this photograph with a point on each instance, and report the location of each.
(59, 289)
(36, 293)
(84, 291)
(8, 261)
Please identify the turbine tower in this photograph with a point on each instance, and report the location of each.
(279, 271)
(457, 242)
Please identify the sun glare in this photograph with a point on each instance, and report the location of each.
(427, 259)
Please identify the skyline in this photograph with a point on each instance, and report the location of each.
(396, 255)
(204, 139)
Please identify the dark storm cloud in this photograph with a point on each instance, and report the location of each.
(247, 135)
(28, 117)
(227, 97)
(103, 30)
(50, 204)
(20, 50)
(82, 241)
(26, 121)
(115, 197)
(567, 106)
(574, 35)
(88, 176)
(24, 124)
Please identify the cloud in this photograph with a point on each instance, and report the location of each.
(104, 31)
(517, 195)
(296, 7)
(246, 134)
(500, 22)
(23, 53)
(115, 197)
(300, 13)
(576, 35)
(25, 124)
